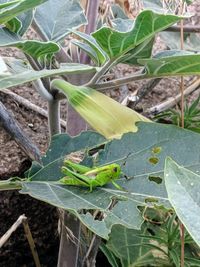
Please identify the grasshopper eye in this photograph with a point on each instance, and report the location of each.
(115, 169)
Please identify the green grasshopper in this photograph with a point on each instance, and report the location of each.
(81, 175)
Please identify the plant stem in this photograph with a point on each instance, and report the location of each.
(31, 241)
(188, 28)
(117, 82)
(100, 73)
(182, 230)
(70, 237)
(91, 14)
(54, 117)
(9, 185)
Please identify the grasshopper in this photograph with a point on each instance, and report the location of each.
(81, 175)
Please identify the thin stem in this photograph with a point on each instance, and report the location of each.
(117, 82)
(182, 79)
(31, 242)
(182, 230)
(54, 117)
(145, 89)
(188, 29)
(100, 73)
(9, 185)
(91, 14)
(182, 234)
(42, 90)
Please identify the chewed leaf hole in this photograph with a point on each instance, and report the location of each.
(154, 160)
(155, 179)
(156, 149)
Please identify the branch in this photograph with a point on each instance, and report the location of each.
(11, 127)
(145, 89)
(22, 220)
(118, 82)
(173, 100)
(29, 105)
(188, 29)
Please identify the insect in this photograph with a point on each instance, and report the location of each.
(81, 175)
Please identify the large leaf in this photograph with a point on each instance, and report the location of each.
(172, 63)
(25, 19)
(147, 24)
(183, 188)
(31, 75)
(35, 49)
(141, 156)
(172, 40)
(56, 17)
(14, 8)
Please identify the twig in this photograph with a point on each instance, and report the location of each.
(11, 126)
(22, 220)
(188, 29)
(12, 229)
(173, 100)
(118, 82)
(29, 105)
(145, 89)
(31, 242)
(99, 74)
(182, 228)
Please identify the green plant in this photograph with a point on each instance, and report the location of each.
(141, 154)
(191, 116)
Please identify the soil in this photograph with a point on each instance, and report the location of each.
(43, 218)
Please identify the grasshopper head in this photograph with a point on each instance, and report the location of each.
(116, 169)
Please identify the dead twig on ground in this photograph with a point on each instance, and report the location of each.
(29, 105)
(22, 220)
(173, 100)
(12, 128)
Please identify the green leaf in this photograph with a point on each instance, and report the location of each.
(26, 19)
(143, 50)
(133, 152)
(57, 17)
(14, 8)
(89, 50)
(14, 25)
(91, 42)
(147, 24)
(109, 255)
(63, 144)
(172, 40)
(31, 75)
(156, 244)
(35, 49)
(3, 69)
(172, 63)
(183, 191)
(131, 248)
